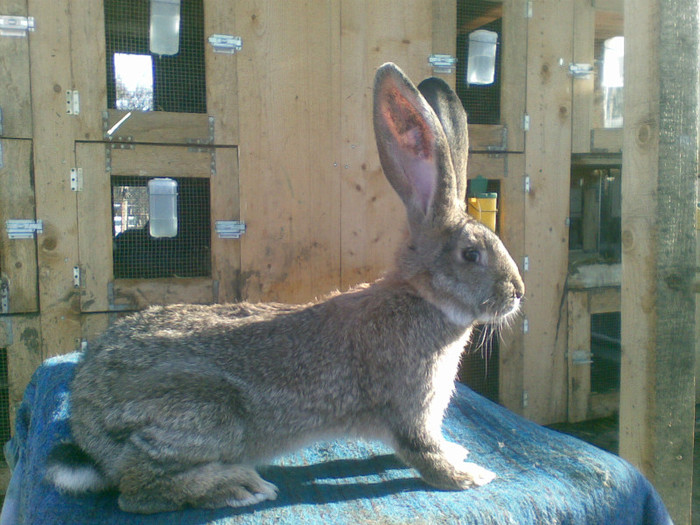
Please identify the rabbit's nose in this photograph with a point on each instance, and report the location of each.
(518, 289)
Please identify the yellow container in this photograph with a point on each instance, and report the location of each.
(483, 209)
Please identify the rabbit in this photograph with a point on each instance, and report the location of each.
(175, 406)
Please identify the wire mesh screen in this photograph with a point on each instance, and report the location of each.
(155, 61)
(595, 212)
(605, 352)
(139, 255)
(5, 432)
(478, 81)
(479, 367)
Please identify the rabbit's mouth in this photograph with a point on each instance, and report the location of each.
(499, 310)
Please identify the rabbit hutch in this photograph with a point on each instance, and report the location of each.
(250, 127)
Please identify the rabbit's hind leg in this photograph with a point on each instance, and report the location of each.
(216, 485)
(209, 485)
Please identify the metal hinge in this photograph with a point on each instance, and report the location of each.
(442, 64)
(526, 264)
(526, 326)
(528, 9)
(2, 156)
(76, 179)
(526, 122)
(72, 102)
(230, 229)
(76, 276)
(16, 26)
(226, 44)
(581, 71)
(23, 228)
(527, 184)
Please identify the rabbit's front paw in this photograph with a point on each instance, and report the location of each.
(472, 475)
(455, 453)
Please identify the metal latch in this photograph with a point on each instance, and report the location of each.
(581, 70)
(442, 64)
(23, 228)
(16, 26)
(230, 229)
(226, 44)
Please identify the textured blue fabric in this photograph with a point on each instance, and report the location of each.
(543, 477)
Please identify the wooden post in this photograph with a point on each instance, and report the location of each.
(660, 167)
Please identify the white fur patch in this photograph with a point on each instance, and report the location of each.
(76, 479)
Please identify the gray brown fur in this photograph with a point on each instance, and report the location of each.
(176, 405)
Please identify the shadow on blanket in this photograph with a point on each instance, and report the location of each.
(543, 476)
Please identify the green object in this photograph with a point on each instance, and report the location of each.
(478, 186)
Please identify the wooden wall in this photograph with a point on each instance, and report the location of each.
(660, 170)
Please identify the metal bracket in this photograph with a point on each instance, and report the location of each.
(442, 64)
(76, 179)
(16, 26)
(230, 229)
(226, 44)
(581, 71)
(581, 357)
(23, 228)
(76, 276)
(72, 102)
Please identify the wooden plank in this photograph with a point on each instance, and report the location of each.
(660, 166)
(604, 300)
(583, 88)
(87, 27)
(487, 137)
(162, 161)
(94, 324)
(445, 33)
(15, 99)
(606, 140)
(372, 216)
(50, 68)
(94, 227)
(21, 336)
(514, 72)
(18, 266)
(548, 163)
(225, 205)
(158, 127)
(487, 165)
(289, 113)
(511, 220)
(137, 294)
(579, 355)
(221, 73)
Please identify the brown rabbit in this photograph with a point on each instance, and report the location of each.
(176, 405)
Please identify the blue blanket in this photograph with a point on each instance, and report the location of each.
(543, 477)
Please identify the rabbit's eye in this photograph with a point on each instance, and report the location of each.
(470, 255)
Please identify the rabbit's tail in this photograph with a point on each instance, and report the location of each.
(70, 469)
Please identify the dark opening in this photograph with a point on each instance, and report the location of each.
(137, 255)
(176, 83)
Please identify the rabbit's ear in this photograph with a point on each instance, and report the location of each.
(412, 146)
(450, 112)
